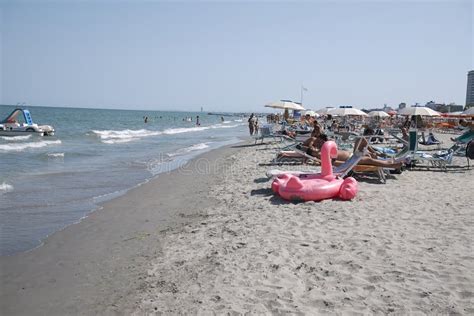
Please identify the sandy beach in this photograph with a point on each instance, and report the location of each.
(213, 238)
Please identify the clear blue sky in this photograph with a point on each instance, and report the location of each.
(234, 56)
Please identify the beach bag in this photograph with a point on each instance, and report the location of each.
(470, 150)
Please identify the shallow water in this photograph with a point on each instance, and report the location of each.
(47, 183)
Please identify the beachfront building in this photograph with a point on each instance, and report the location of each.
(470, 89)
(444, 108)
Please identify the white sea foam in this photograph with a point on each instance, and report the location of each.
(224, 126)
(172, 131)
(127, 135)
(239, 120)
(124, 136)
(56, 155)
(15, 138)
(189, 149)
(5, 187)
(24, 146)
(225, 122)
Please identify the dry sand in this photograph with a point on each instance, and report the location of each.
(215, 240)
(402, 247)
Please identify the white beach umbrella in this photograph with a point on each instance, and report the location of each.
(325, 110)
(418, 110)
(378, 114)
(311, 113)
(347, 112)
(469, 111)
(285, 104)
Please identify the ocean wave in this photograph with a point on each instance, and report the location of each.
(240, 120)
(224, 126)
(56, 155)
(5, 187)
(189, 149)
(226, 122)
(128, 135)
(15, 138)
(123, 136)
(24, 146)
(172, 131)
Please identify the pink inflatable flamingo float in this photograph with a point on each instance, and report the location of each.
(316, 187)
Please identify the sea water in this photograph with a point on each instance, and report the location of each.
(47, 183)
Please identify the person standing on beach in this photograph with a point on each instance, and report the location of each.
(251, 124)
(255, 128)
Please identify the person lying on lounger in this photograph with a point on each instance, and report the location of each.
(314, 149)
(304, 145)
(368, 159)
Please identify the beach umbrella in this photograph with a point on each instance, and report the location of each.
(325, 110)
(286, 105)
(311, 113)
(378, 114)
(459, 113)
(347, 112)
(418, 110)
(469, 111)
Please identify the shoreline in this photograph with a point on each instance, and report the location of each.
(98, 261)
(98, 201)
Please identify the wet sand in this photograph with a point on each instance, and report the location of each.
(98, 265)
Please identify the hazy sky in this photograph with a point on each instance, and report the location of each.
(234, 56)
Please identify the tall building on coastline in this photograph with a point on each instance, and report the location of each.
(470, 89)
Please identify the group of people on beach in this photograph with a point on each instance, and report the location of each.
(312, 146)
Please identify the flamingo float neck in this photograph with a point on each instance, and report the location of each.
(328, 151)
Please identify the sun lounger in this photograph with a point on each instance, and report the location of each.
(440, 159)
(267, 132)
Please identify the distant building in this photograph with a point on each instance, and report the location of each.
(444, 108)
(385, 109)
(470, 89)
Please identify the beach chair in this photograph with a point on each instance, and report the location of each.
(440, 159)
(364, 169)
(430, 141)
(267, 132)
(465, 137)
(352, 166)
(345, 140)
